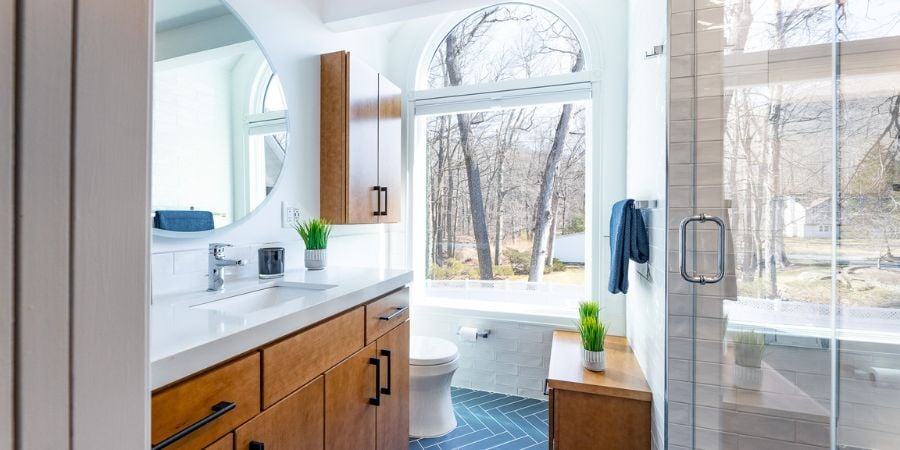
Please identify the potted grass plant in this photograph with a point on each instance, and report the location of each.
(315, 233)
(749, 347)
(593, 336)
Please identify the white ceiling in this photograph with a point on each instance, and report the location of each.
(178, 13)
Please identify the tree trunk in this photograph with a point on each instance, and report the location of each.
(553, 224)
(542, 210)
(473, 173)
(498, 228)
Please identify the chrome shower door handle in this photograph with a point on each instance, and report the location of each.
(682, 250)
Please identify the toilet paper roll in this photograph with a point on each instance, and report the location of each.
(468, 334)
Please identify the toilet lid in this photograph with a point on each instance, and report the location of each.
(431, 351)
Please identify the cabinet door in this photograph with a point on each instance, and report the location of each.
(295, 423)
(389, 138)
(349, 413)
(362, 145)
(224, 443)
(393, 414)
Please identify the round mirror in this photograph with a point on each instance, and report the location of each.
(220, 128)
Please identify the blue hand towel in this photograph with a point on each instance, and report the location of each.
(627, 241)
(183, 220)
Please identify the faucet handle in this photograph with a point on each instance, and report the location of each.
(217, 249)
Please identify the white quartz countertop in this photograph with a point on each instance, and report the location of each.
(185, 339)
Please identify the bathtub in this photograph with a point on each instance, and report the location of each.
(512, 301)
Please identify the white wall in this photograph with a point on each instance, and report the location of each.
(646, 299)
(291, 32)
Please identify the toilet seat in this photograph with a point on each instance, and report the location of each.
(431, 351)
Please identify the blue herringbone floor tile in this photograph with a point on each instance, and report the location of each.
(492, 421)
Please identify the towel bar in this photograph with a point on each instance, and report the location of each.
(644, 204)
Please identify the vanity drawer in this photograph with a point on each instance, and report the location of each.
(293, 362)
(387, 312)
(174, 409)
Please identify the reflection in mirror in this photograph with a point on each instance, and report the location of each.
(219, 118)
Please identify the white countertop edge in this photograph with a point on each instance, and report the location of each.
(182, 364)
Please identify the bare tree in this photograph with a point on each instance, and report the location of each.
(543, 212)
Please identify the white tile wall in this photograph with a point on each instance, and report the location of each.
(646, 162)
(514, 359)
(185, 270)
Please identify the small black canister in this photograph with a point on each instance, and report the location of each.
(271, 262)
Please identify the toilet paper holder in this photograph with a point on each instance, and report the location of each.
(483, 334)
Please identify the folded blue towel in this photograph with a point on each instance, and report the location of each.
(627, 241)
(183, 220)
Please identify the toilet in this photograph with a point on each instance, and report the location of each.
(432, 362)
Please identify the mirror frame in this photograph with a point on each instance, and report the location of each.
(156, 232)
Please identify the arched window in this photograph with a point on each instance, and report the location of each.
(503, 105)
(507, 41)
(268, 133)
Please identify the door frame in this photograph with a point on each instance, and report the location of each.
(81, 228)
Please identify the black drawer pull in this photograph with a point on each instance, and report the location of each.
(219, 409)
(385, 211)
(376, 400)
(254, 445)
(377, 190)
(399, 310)
(387, 390)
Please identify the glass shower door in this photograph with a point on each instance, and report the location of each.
(784, 131)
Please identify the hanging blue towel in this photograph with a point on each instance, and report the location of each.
(183, 220)
(627, 240)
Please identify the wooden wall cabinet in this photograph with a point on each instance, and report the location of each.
(318, 388)
(618, 398)
(360, 137)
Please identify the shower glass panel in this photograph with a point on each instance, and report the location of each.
(867, 232)
(785, 124)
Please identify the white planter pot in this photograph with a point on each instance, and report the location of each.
(593, 361)
(315, 259)
(747, 377)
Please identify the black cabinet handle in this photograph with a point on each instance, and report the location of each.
(376, 400)
(387, 390)
(219, 409)
(254, 445)
(377, 190)
(385, 211)
(395, 314)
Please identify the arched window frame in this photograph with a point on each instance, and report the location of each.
(604, 162)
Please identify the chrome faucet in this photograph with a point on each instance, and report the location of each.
(217, 265)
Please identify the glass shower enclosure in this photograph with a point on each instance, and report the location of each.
(784, 224)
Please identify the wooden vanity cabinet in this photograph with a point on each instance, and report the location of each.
(367, 395)
(350, 395)
(392, 416)
(175, 408)
(294, 361)
(360, 138)
(340, 384)
(295, 423)
(225, 443)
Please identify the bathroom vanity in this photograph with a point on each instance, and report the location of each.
(328, 369)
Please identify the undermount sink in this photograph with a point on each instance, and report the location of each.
(250, 302)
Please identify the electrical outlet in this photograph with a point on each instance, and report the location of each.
(290, 215)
